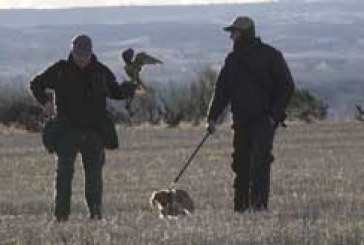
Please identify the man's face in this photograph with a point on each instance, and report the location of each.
(82, 61)
(235, 35)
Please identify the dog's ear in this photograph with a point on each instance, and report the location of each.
(152, 199)
(157, 197)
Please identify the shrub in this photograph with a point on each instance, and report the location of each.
(20, 109)
(175, 105)
(189, 103)
(170, 104)
(148, 107)
(306, 106)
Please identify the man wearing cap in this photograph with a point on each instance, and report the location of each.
(81, 85)
(256, 81)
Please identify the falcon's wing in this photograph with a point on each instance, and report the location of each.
(143, 58)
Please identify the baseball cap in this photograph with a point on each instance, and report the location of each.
(81, 46)
(242, 23)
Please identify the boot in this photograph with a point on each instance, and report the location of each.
(95, 213)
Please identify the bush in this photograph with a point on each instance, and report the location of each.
(171, 104)
(306, 106)
(201, 92)
(189, 103)
(18, 108)
(148, 107)
(143, 108)
(175, 105)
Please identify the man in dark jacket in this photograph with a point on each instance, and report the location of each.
(256, 81)
(81, 85)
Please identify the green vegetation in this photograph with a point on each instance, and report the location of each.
(306, 106)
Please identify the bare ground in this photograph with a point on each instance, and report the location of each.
(317, 192)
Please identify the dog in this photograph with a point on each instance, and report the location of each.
(172, 203)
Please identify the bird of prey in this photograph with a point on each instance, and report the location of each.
(133, 66)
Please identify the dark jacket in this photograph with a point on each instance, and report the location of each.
(80, 93)
(256, 80)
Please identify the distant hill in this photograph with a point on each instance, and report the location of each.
(323, 42)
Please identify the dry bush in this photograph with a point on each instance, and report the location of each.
(189, 103)
(306, 106)
(19, 109)
(172, 105)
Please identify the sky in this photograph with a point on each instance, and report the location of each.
(39, 4)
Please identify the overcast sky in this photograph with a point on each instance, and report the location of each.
(69, 3)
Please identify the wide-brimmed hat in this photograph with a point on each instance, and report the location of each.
(81, 46)
(242, 23)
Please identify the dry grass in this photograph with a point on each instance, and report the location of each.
(317, 190)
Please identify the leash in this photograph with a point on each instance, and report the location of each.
(190, 158)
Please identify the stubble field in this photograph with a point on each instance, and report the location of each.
(317, 190)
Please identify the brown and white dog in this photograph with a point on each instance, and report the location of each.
(172, 203)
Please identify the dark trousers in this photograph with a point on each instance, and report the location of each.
(252, 160)
(89, 144)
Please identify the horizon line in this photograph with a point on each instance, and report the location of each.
(140, 5)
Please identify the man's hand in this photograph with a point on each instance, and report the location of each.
(272, 122)
(128, 89)
(49, 109)
(140, 90)
(211, 127)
